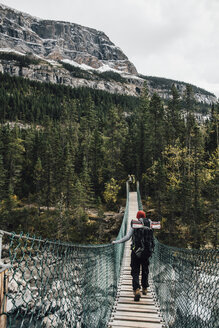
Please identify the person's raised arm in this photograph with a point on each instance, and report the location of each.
(125, 238)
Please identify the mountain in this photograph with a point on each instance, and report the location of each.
(60, 40)
(71, 54)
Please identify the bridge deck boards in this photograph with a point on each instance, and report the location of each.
(128, 313)
(131, 324)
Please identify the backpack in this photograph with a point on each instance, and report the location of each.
(142, 239)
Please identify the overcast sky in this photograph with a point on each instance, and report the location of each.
(177, 39)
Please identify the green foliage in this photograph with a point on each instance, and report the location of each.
(30, 101)
(77, 71)
(111, 192)
(88, 75)
(164, 83)
(110, 75)
(23, 61)
(116, 130)
(65, 150)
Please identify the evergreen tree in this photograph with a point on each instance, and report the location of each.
(70, 143)
(115, 136)
(173, 122)
(68, 176)
(156, 124)
(174, 211)
(196, 185)
(48, 174)
(210, 227)
(13, 158)
(97, 155)
(140, 134)
(2, 179)
(37, 179)
(212, 137)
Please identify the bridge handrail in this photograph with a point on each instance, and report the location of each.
(185, 284)
(55, 284)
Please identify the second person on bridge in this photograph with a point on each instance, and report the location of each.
(142, 247)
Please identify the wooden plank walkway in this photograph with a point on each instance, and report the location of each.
(127, 313)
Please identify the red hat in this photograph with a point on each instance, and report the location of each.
(140, 214)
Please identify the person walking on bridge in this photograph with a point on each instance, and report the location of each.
(142, 248)
(131, 181)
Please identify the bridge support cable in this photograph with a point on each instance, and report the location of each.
(59, 285)
(185, 283)
(127, 313)
(50, 284)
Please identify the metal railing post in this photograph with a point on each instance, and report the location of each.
(3, 287)
(1, 236)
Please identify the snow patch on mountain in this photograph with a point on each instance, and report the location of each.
(57, 42)
(75, 64)
(8, 50)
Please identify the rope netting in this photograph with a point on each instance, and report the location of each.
(186, 285)
(54, 284)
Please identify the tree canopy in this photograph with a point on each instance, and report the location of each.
(65, 150)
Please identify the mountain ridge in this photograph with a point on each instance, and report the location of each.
(59, 45)
(60, 40)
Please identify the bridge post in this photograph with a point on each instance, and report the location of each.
(1, 236)
(3, 287)
(3, 296)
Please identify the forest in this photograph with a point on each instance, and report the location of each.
(64, 151)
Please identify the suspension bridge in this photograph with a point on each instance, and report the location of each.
(126, 312)
(54, 284)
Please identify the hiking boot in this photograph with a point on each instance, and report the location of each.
(144, 291)
(137, 294)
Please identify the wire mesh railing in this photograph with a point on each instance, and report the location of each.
(54, 284)
(186, 285)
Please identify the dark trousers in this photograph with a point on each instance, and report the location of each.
(136, 264)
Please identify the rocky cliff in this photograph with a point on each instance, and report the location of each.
(60, 40)
(70, 54)
(56, 73)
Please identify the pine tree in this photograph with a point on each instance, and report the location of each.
(196, 182)
(97, 155)
(189, 127)
(37, 179)
(212, 138)
(174, 211)
(2, 179)
(13, 158)
(210, 186)
(68, 176)
(48, 174)
(114, 143)
(140, 134)
(156, 121)
(85, 178)
(173, 123)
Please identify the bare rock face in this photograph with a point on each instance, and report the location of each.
(60, 40)
(54, 43)
(58, 75)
